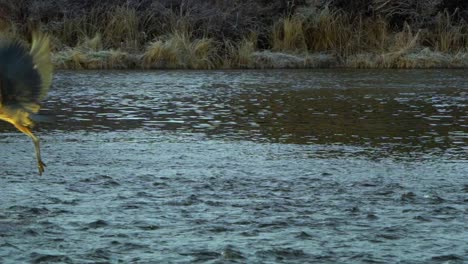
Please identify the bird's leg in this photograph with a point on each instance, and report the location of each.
(27, 131)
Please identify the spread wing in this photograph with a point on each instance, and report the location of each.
(25, 77)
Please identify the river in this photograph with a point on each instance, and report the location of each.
(273, 166)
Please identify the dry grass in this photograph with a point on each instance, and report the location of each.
(396, 47)
(403, 43)
(240, 55)
(72, 30)
(118, 27)
(180, 50)
(160, 54)
(288, 35)
(124, 36)
(105, 59)
(92, 44)
(369, 42)
(449, 36)
(372, 35)
(425, 58)
(460, 60)
(329, 31)
(88, 54)
(279, 60)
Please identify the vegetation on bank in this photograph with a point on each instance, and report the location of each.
(245, 34)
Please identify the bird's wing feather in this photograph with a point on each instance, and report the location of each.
(25, 77)
(40, 52)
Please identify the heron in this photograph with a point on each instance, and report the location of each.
(25, 78)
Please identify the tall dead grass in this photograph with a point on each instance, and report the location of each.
(121, 27)
(240, 54)
(180, 49)
(449, 35)
(125, 37)
(363, 42)
(330, 31)
(288, 35)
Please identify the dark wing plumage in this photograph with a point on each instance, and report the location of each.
(25, 76)
(20, 81)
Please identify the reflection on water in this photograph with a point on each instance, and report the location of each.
(399, 110)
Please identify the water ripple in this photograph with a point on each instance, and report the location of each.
(242, 167)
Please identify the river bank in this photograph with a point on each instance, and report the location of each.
(244, 34)
(115, 59)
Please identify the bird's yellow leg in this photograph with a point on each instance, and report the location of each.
(27, 131)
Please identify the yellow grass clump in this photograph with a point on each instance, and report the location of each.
(288, 35)
(180, 50)
(240, 55)
(121, 29)
(392, 53)
(329, 31)
(449, 36)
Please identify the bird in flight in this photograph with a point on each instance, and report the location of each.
(25, 78)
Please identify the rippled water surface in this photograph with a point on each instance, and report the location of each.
(322, 166)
